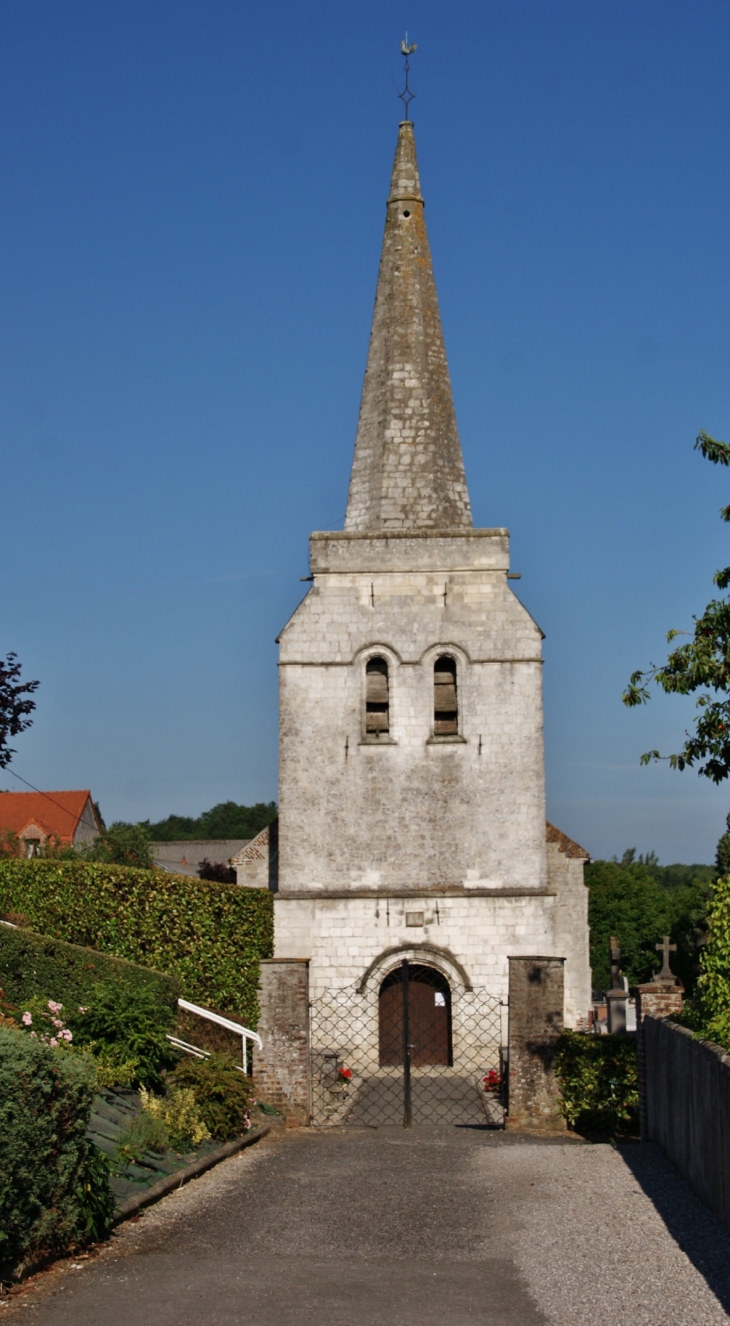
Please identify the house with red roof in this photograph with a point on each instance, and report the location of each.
(69, 818)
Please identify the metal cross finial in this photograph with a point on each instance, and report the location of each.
(666, 975)
(406, 96)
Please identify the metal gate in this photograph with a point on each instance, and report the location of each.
(418, 1050)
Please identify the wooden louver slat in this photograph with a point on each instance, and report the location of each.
(445, 703)
(377, 698)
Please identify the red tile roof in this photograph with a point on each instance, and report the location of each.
(56, 814)
(565, 844)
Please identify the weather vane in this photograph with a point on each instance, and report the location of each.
(406, 95)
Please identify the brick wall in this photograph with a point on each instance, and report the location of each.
(281, 1067)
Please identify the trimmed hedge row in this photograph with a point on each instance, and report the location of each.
(211, 936)
(45, 1103)
(34, 965)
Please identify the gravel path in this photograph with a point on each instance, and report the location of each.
(437, 1227)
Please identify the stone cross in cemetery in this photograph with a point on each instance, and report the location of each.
(617, 996)
(666, 975)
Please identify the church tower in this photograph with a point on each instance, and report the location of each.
(412, 797)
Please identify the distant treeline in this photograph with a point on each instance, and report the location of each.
(638, 901)
(226, 820)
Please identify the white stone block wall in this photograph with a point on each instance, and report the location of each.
(412, 812)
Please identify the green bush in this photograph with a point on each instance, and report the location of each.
(35, 966)
(125, 1028)
(53, 1192)
(210, 936)
(599, 1082)
(179, 1115)
(222, 1093)
(146, 1132)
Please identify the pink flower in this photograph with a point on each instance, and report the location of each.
(83, 1010)
(57, 1022)
(55, 1008)
(67, 1035)
(33, 1036)
(27, 1020)
(53, 1043)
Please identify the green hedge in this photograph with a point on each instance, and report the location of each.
(599, 1082)
(210, 936)
(45, 1160)
(34, 965)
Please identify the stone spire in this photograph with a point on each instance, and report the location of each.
(408, 471)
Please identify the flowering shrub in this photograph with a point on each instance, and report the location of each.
(42, 1022)
(179, 1113)
(54, 1189)
(492, 1081)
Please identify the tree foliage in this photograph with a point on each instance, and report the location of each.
(226, 820)
(709, 1012)
(639, 902)
(15, 705)
(701, 665)
(121, 845)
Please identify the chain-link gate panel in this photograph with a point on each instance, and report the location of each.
(418, 1046)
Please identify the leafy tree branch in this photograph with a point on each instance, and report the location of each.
(701, 664)
(15, 705)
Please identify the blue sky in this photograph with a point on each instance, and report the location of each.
(191, 208)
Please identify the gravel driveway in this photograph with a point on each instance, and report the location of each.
(436, 1227)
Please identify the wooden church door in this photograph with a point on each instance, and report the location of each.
(429, 1017)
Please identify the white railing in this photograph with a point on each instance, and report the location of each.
(237, 1027)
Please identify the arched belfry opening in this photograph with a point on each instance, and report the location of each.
(445, 702)
(377, 698)
(429, 1016)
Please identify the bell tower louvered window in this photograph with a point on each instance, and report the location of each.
(377, 698)
(445, 703)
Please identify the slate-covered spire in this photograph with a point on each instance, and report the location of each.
(408, 470)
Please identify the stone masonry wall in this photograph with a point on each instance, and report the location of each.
(281, 1067)
(570, 935)
(536, 998)
(415, 811)
(469, 938)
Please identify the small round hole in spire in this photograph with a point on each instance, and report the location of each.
(406, 214)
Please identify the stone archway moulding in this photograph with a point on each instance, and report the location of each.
(442, 958)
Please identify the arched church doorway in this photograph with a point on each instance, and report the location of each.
(429, 1017)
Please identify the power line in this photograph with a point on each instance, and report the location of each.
(65, 809)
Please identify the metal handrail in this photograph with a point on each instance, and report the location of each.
(242, 1031)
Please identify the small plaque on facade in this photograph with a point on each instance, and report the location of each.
(414, 918)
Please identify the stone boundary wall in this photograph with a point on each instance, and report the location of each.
(536, 1002)
(281, 1066)
(687, 1099)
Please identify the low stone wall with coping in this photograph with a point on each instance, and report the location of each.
(687, 1103)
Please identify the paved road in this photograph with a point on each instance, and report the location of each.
(437, 1227)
